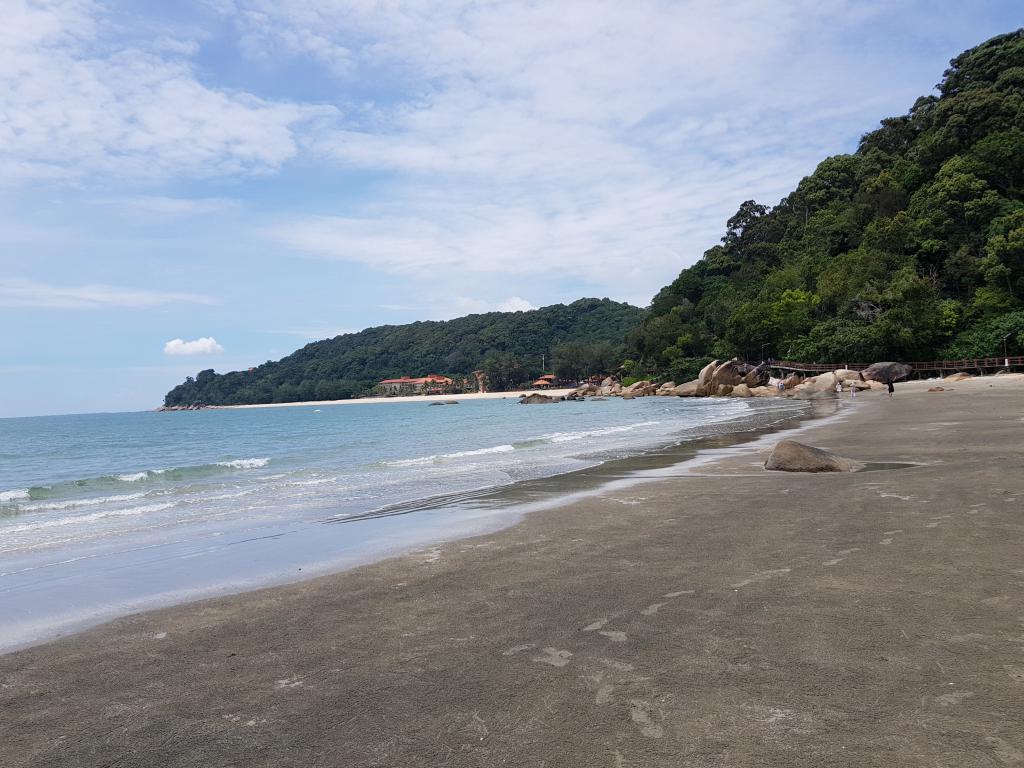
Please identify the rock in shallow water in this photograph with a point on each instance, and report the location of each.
(791, 456)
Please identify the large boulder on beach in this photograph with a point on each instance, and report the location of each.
(723, 390)
(689, 389)
(821, 382)
(536, 398)
(958, 376)
(740, 390)
(791, 456)
(845, 374)
(666, 388)
(726, 374)
(704, 377)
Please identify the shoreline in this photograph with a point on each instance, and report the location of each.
(469, 513)
(726, 617)
(401, 399)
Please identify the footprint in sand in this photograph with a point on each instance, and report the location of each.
(554, 656)
(614, 635)
(650, 610)
(761, 576)
(596, 625)
(640, 713)
(949, 699)
(889, 536)
(518, 649)
(1016, 673)
(838, 560)
(1005, 753)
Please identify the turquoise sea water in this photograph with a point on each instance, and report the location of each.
(107, 513)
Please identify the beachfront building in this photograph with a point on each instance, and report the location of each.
(425, 385)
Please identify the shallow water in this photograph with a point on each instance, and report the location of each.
(105, 514)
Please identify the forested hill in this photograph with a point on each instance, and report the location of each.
(910, 248)
(509, 346)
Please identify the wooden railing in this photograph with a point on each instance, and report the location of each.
(940, 366)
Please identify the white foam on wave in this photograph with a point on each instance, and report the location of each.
(15, 495)
(134, 477)
(72, 503)
(457, 455)
(318, 481)
(568, 437)
(479, 452)
(244, 463)
(92, 517)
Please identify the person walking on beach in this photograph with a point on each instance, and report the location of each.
(890, 388)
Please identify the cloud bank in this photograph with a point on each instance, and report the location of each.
(23, 293)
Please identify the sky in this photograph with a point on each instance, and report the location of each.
(214, 183)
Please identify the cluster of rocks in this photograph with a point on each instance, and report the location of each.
(192, 407)
(733, 378)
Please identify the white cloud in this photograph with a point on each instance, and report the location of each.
(206, 345)
(515, 304)
(602, 141)
(21, 293)
(77, 99)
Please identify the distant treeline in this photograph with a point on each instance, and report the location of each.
(910, 248)
(587, 336)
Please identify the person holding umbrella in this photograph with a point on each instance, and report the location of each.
(887, 373)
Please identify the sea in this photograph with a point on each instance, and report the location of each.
(102, 515)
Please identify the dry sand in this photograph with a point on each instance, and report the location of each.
(407, 399)
(729, 618)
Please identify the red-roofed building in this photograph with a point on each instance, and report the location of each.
(430, 385)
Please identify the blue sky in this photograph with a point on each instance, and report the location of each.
(249, 175)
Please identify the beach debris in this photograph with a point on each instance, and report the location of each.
(936, 389)
(791, 456)
(886, 373)
(958, 376)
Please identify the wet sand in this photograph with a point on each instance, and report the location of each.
(725, 617)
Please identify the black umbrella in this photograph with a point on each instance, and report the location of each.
(886, 373)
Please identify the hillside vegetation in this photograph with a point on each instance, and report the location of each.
(510, 347)
(910, 248)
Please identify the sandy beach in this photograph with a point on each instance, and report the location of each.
(726, 616)
(406, 399)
